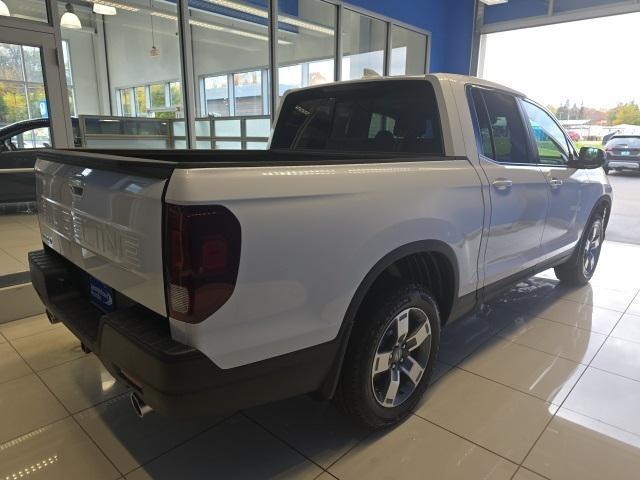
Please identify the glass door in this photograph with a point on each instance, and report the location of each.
(31, 108)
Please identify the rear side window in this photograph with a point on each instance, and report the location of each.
(389, 116)
(507, 130)
(484, 126)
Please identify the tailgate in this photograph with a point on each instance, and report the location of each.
(106, 221)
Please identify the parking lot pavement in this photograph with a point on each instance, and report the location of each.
(624, 224)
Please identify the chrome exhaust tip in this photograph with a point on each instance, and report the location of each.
(139, 406)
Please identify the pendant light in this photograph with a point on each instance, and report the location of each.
(4, 10)
(69, 19)
(155, 51)
(103, 9)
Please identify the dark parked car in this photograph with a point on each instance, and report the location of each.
(609, 136)
(16, 169)
(622, 153)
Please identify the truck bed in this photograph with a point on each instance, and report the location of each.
(160, 163)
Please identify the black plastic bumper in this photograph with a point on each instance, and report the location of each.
(135, 345)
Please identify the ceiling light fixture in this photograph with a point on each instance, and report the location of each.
(241, 33)
(262, 13)
(155, 51)
(69, 19)
(493, 2)
(121, 6)
(104, 9)
(307, 25)
(168, 16)
(4, 10)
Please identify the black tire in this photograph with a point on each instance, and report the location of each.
(574, 271)
(357, 395)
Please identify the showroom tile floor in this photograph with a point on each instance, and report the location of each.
(20, 235)
(542, 383)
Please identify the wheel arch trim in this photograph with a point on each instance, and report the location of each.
(421, 246)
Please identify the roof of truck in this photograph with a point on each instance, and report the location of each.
(465, 79)
(461, 79)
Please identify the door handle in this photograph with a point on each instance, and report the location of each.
(555, 182)
(502, 184)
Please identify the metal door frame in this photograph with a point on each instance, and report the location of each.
(55, 90)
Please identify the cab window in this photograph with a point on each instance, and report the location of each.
(551, 143)
(391, 116)
(483, 125)
(507, 130)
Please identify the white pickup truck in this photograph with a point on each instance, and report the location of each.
(384, 209)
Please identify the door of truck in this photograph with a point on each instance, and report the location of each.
(518, 188)
(566, 186)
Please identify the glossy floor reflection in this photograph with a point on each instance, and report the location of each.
(542, 383)
(20, 235)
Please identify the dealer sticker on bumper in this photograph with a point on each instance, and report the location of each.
(101, 295)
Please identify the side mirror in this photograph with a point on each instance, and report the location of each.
(588, 158)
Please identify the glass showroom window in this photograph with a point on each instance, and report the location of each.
(250, 94)
(68, 72)
(158, 100)
(321, 72)
(35, 10)
(124, 65)
(306, 43)
(22, 93)
(408, 52)
(215, 96)
(364, 40)
(230, 43)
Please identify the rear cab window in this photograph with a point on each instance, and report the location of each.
(388, 116)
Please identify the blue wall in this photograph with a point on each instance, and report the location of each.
(449, 21)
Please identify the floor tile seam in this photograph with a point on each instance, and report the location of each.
(507, 386)
(48, 389)
(187, 440)
(466, 439)
(282, 440)
(556, 355)
(531, 317)
(32, 371)
(572, 388)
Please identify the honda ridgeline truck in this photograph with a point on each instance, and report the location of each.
(383, 210)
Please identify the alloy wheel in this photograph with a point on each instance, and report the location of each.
(592, 247)
(401, 357)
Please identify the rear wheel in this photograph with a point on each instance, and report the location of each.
(391, 356)
(580, 268)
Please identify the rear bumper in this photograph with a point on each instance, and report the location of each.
(630, 164)
(135, 345)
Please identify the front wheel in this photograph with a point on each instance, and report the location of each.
(579, 269)
(391, 356)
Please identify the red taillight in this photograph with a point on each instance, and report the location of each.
(202, 256)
